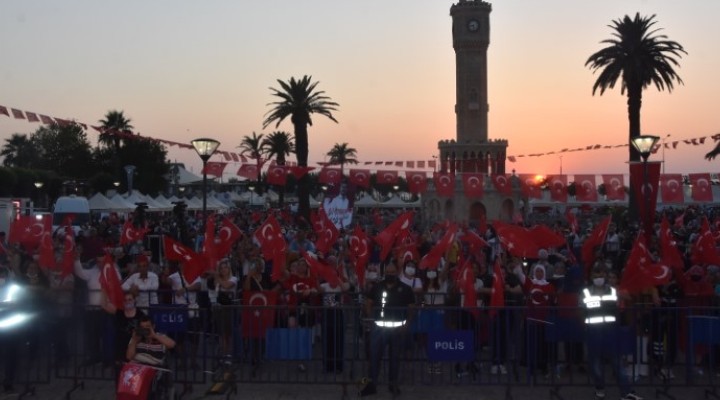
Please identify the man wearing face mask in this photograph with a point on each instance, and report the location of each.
(600, 301)
(387, 304)
(408, 277)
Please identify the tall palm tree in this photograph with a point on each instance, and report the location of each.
(342, 154)
(639, 58)
(298, 100)
(19, 151)
(114, 122)
(279, 144)
(252, 146)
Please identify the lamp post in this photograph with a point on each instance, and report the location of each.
(205, 148)
(644, 145)
(38, 186)
(251, 188)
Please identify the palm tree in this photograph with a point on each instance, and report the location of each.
(252, 146)
(19, 151)
(279, 144)
(639, 58)
(299, 100)
(114, 123)
(342, 154)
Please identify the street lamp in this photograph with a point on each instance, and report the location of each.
(251, 188)
(38, 186)
(205, 148)
(644, 145)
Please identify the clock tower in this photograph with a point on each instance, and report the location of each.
(471, 151)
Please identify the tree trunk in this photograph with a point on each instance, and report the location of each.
(301, 150)
(634, 102)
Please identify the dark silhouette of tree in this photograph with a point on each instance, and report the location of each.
(342, 154)
(299, 99)
(279, 144)
(638, 57)
(19, 151)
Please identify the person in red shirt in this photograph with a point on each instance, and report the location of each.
(303, 294)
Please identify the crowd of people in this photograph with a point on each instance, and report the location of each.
(532, 288)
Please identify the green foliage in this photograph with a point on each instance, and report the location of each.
(8, 179)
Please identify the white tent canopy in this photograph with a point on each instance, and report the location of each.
(100, 202)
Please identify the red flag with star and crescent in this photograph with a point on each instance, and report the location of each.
(701, 187)
(444, 184)
(473, 185)
(704, 250)
(110, 282)
(466, 282)
(277, 175)
(227, 235)
(558, 188)
(326, 231)
(668, 247)
(28, 230)
(516, 240)
(248, 171)
(671, 188)
(131, 234)
(585, 189)
(385, 177)
(214, 168)
(69, 254)
(497, 295)
(529, 186)
(258, 313)
(417, 181)
(432, 258)
(593, 241)
(502, 183)
(359, 246)
(386, 238)
(193, 265)
(320, 269)
(360, 177)
(640, 272)
(614, 186)
(474, 241)
(330, 176)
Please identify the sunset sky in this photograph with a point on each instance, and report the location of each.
(186, 69)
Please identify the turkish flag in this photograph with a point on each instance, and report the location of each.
(593, 241)
(517, 240)
(646, 190)
(466, 282)
(671, 188)
(330, 176)
(473, 185)
(69, 254)
(547, 238)
(614, 186)
(585, 189)
(473, 240)
(502, 183)
(277, 175)
(386, 177)
(28, 231)
(558, 188)
(130, 234)
(299, 172)
(444, 184)
(327, 234)
(387, 236)
(192, 264)
(701, 187)
(227, 235)
(214, 168)
(360, 177)
(668, 247)
(640, 272)
(359, 246)
(110, 282)
(320, 269)
(529, 186)
(704, 250)
(258, 313)
(248, 171)
(267, 235)
(497, 294)
(406, 252)
(417, 182)
(432, 258)
(135, 381)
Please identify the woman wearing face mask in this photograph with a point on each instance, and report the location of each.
(436, 288)
(126, 320)
(540, 295)
(409, 277)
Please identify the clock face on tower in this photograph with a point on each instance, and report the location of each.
(473, 25)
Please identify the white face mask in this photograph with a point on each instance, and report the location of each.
(410, 271)
(432, 274)
(372, 276)
(598, 281)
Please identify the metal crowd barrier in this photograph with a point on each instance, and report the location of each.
(258, 342)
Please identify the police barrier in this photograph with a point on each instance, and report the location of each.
(658, 347)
